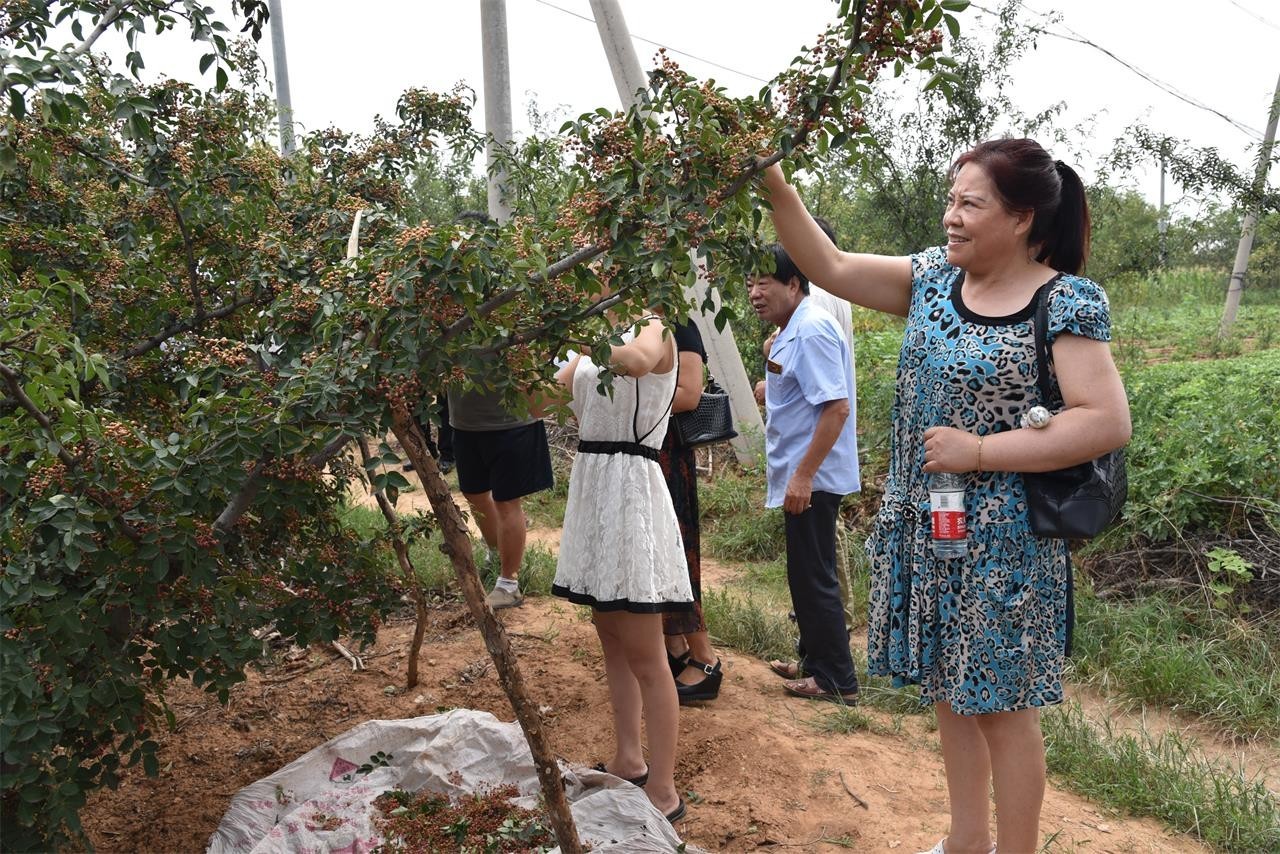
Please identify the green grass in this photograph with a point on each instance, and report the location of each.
(546, 508)
(1183, 655)
(435, 572)
(752, 621)
(1161, 777)
(735, 525)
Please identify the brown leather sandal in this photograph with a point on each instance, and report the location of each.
(810, 690)
(786, 669)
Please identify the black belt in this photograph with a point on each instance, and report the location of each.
(635, 449)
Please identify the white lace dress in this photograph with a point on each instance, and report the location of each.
(620, 547)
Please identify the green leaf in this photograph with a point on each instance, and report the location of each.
(207, 60)
(221, 79)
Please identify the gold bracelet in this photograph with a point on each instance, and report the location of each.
(979, 453)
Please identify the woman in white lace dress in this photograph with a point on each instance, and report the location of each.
(620, 549)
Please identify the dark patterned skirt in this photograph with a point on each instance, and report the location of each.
(681, 472)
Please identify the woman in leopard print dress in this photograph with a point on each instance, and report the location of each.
(983, 635)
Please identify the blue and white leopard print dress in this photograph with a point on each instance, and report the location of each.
(986, 633)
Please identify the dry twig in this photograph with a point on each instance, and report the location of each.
(860, 802)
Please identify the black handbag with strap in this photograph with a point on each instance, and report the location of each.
(708, 423)
(1077, 502)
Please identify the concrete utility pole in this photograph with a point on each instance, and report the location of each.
(1236, 289)
(722, 351)
(1162, 225)
(497, 101)
(284, 104)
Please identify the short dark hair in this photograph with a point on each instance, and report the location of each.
(785, 269)
(827, 230)
(475, 216)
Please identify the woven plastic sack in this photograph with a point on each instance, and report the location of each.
(321, 802)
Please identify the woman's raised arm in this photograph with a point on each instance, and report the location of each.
(880, 282)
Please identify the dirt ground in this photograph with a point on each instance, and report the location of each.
(762, 774)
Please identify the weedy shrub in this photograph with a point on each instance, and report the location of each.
(1162, 777)
(1206, 438)
(1184, 655)
(756, 623)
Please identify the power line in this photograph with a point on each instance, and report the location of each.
(1254, 15)
(1159, 84)
(660, 44)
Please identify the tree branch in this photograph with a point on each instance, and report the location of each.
(240, 502)
(108, 18)
(186, 326)
(554, 271)
(193, 272)
(114, 167)
(243, 499)
(406, 567)
(14, 381)
(749, 171)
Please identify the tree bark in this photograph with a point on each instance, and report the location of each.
(457, 545)
(406, 566)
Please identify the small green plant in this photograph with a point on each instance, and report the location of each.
(749, 624)
(1227, 570)
(844, 720)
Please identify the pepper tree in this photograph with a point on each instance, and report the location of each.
(187, 354)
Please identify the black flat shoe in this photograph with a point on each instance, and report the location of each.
(678, 662)
(707, 689)
(677, 813)
(635, 781)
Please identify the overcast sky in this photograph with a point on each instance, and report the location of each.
(349, 61)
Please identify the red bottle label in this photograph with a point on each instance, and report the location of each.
(948, 515)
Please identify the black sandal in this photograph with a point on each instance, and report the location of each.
(635, 781)
(677, 813)
(678, 662)
(707, 689)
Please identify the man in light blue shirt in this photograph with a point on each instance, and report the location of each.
(812, 456)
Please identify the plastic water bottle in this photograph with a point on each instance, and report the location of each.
(946, 507)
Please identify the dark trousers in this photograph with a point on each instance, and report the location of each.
(815, 594)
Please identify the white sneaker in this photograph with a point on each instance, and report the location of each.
(939, 849)
(499, 599)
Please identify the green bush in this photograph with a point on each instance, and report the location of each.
(1205, 434)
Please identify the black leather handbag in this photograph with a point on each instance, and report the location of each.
(710, 422)
(1078, 502)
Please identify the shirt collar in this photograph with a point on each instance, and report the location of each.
(793, 324)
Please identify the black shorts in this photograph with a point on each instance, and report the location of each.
(509, 463)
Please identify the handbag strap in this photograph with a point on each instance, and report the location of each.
(1044, 356)
(635, 416)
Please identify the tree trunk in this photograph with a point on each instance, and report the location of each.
(457, 545)
(406, 566)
